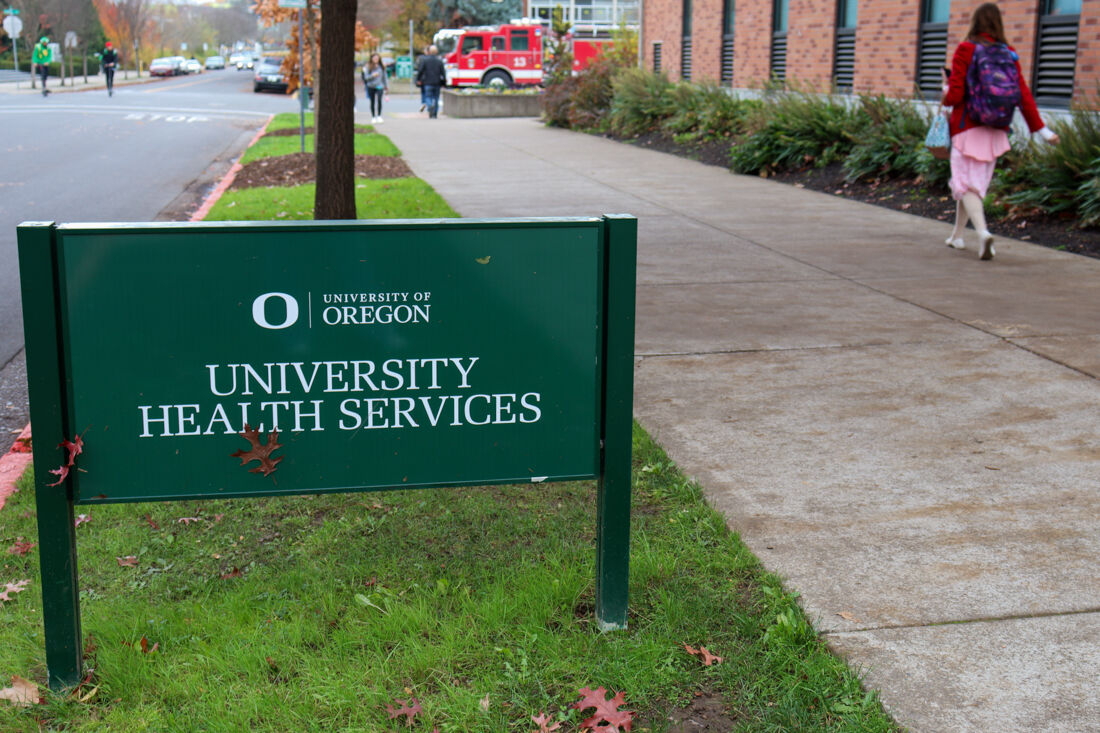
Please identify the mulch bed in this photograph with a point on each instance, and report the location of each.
(298, 168)
(910, 196)
(283, 132)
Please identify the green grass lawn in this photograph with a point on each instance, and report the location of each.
(271, 145)
(347, 602)
(397, 198)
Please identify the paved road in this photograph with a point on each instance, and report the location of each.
(149, 152)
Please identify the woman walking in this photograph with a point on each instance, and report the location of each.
(983, 89)
(374, 79)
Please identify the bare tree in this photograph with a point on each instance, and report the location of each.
(335, 128)
(134, 19)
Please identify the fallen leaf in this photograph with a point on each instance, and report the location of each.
(17, 587)
(21, 693)
(130, 561)
(409, 709)
(483, 260)
(150, 522)
(145, 648)
(704, 654)
(543, 721)
(261, 453)
(75, 448)
(188, 520)
(234, 573)
(82, 519)
(608, 718)
(848, 617)
(484, 702)
(20, 547)
(62, 473)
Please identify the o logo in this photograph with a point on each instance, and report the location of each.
(259, 311)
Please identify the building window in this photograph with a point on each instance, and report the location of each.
(657, 57)
(779, 40)
(727, 42)
(685, 47)
(932, 50)
(844, 51)
(1056, 52)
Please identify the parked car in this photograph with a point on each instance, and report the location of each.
(165, 66)
(246, 62)
(269, 75)
(193, 66)
(215, 62)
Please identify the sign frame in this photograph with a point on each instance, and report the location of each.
(50, 386)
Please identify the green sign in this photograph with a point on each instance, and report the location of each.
(404, 67)
(232, 360)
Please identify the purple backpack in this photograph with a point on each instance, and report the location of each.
(993, 85)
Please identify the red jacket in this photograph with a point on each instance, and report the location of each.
(955, 96)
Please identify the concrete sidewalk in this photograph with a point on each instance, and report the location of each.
(908, 435)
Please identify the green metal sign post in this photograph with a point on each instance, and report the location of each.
(200, 361)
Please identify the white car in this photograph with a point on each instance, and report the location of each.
(215, 62)
(192, 66)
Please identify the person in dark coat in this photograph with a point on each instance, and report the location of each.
(431, 76)
(109, 59)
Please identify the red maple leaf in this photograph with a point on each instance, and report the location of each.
(81, 519)
(234, 573)
(130, 561)
(259, 452)
(75, 448)
(608, 717)
(543, 721)
(150, 522)
(20, 547)
(62, 473)
(22, 445)
(409, 709)
(704, 654)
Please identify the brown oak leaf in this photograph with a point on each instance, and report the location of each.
(17, 587)
(409, 709)
(20, 547)
(608, 717)
(21, 693)
(144, 645)
(543, 721)
(704, 654)
(259, 452)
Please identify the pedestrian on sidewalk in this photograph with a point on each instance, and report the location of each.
(983, 87)
(432, 77)
(416, 77)
(41, 59)
(376, 84)
(109, 58)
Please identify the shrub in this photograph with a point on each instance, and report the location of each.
(1058, 178)
(706, 111)
(642, 101)
(798, 129)
(584, 101)
(893, 144)
(556, 101)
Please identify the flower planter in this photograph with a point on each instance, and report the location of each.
(457, 104)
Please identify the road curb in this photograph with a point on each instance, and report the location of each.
(14, 463)
(227, 181)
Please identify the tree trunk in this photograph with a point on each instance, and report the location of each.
(335, 113)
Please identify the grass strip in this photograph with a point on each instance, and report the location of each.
(395, 198)
(313, 613)
(274, 145)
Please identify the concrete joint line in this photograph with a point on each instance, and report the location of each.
(963, 622)
(9, 361)
(832, 347)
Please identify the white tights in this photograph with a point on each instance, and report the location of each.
(969, 208)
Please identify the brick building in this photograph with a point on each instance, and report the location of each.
(891, 47)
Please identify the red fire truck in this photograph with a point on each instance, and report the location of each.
(509, 54)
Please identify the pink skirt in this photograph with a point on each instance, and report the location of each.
(974, 154)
